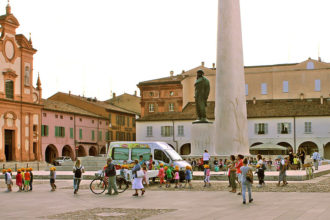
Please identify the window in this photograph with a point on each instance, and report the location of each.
(160, 155)
(61, 116)
(263, 88)
(181, 130)
(56, 116)
(110, 118)
(171, 93)
(120, 120)
(308, 127)
(111, 135)
(317, 85)
(171, 107)
(93, 135)
(100, 122)
(80, 134)
(120, 136)
(310, 65)
(120, 153)
(44, 114)
(71, 132)
(149, 131)
(151, 107)
(134, 137)
(133, 122)
(285, 86)
(107, 136)
(27, 76)
(9, 89)
(137, 152)
(246, 89)
(127, 121)
(261, 128)
(44, 130)
(128, 136)
(35, 128)
(100, 135)
(167, 131)
(71, 118)
(92, 121)
(59, 131)
(151, 94)
(80, 119)
(284, 128)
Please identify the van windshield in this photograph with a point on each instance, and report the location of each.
(173, 155)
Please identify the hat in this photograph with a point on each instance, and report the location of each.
(206, 166)
(165, 167)
(19, 170)
(258, 165)
(23, 169)
(30, 169)
(188, 167)
(161, 165)
(177, 168)
(4, 170)
(8, 170)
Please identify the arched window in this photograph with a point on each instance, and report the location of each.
(27, 76)
(9, 89)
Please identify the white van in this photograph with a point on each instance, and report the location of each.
(161, 153)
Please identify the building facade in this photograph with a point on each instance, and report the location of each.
(20, 102)
(287, 104)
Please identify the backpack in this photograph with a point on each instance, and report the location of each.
(110, 171)
(264, 167)
(78, 173)
(249, 176)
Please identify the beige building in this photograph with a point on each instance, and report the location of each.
(308, 79)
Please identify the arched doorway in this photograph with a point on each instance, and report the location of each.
(327, 151)
(103, 151)
(309, 147)
(67, 151)
(185, 149)
(287, 145)
(81, 151)
(92, 151)
(51, 153)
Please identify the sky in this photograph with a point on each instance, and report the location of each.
(97, 47)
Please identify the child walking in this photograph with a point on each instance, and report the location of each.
(52, 175)
(169, 177)
(207, 175)
(145, 176)
(161, 175)
(27, 179)
(19, 180)
(31, 178)
(188, 177)
(177, 177)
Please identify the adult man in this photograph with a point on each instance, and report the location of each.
(111, 174)
(316, 159)
(206, 157)
(202, 90)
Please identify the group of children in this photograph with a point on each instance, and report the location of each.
(24, 179)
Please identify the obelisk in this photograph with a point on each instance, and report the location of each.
(231, 135)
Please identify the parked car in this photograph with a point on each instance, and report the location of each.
(58, 161)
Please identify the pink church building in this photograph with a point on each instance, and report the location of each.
(67, 130)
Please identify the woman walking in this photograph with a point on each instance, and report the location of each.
(137, 181)
(246, 182)
(78, 170)
(232, 175)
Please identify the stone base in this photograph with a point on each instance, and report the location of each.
(202, 135)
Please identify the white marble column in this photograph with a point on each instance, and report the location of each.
(231, 136)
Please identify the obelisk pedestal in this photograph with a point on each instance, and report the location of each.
(202, 135)
(231, 136)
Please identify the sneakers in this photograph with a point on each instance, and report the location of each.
(116, 193)
(244, 202)
(250, 200)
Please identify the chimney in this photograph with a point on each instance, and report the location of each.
(171, 73)
(321, 100)
(183, 71)
(203, 63)
(135, 93)
(113, 95)
(69, 92)
(254, 100)
(213, 66)
(320, 60)
(301, 96)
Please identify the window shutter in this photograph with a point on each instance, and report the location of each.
(279, 128)
(163, 131)
(171, 130)
(71, 132)
(255, 128)
(63, 131)
(110, 118)
(266, 128)
(42, 130)
(289, 128)
(93, 135)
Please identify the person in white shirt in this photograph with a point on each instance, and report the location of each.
(206, 157)
(316, 159)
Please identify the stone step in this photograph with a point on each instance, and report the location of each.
(35, 165)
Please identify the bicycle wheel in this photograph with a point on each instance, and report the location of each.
(97, 186)
(122, 184)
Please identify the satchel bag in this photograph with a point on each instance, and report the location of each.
(249, 176)
(140, 173)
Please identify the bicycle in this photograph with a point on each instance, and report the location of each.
(100, 183)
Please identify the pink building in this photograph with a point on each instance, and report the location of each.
(71, 131)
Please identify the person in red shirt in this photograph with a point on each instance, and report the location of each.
(238, 166)
(19, 180)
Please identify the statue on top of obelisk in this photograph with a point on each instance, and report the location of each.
(202, 91)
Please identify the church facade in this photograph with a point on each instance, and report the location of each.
(20, 102)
